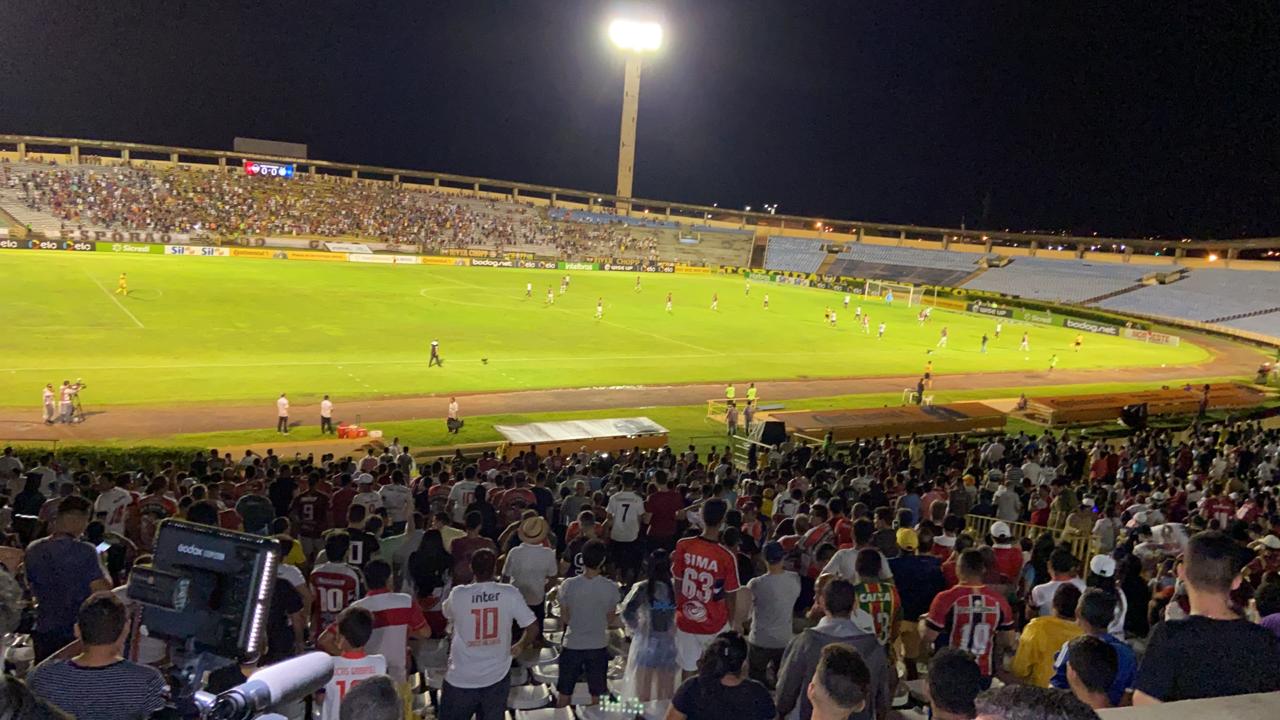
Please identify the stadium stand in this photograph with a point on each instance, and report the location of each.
(1062, 280)
(913, 265)
(1208, 295)
(791, 254)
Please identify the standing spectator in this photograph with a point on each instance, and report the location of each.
(971, 616)
(649, 612)
(918, 579)
(840, 684)
(801, 657)
(477, 681)
(335, 585)
(282, 414)
(352, 665)
(662, 507)
(464, 547)
(772, 598)
(531, 564)
(721, 689)
(98, 682)
(588, 603)
(1008, 554)
(396, 619)
(1044, 637)
(62, 571)
(706, 575)
(954, 682)
(310, 514)
(1093, 614)
(626, 510)
(1062, 569)
(1214, 652)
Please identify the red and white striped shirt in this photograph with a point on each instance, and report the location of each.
(394, 616)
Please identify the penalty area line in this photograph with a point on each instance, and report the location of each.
(114, 299)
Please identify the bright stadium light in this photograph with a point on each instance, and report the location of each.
(635, 35)
(634, 38)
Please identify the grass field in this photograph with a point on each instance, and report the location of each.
(226, 329)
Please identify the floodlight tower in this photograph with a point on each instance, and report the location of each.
(634, 38)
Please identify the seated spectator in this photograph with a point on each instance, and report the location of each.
(840, 684)
(721, 688)
(1044, 636)
(1091, 670)
(99, 683)
(1025, 702)
(373, 699)
(954, 682)
(1092, 615)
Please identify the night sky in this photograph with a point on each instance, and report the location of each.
(1125, 118)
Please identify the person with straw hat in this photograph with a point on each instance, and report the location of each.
(531, 565)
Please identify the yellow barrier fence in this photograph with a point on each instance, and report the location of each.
(980, 526)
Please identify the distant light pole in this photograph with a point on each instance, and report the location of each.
(634, 38)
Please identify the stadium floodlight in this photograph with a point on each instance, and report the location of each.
(635, 38)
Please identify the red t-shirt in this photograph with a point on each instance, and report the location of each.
(229, 519)
(311, 509)
(662, 507)
(970, 617)
(703, 572)
(1008, 561)
(339, 504)
(1218, 508)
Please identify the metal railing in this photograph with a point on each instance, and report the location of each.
(1081, 547)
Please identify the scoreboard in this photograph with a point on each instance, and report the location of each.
(266, 169)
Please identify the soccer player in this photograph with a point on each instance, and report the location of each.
(122, 285)
(846, 301)
(435, 354)
(831, 318)
(766, 301)
(599, 308)
(528, 290)
(1079, 341)
(857, 313)
(1025, 345)
(564, 284)
(826, 314)
(668, 302)
(352, 666)
(866, 324)
(748, 287)
(1053, 362)
(888, 297)
(715, 302)
(551, 296)
(985, 340)
(637, 289)
(880, 333)
(920, 317)
(942, 337)
(999, 327)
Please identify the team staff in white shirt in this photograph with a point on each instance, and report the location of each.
(326, 416)
(282, 414)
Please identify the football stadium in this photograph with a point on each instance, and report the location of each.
(286, 436)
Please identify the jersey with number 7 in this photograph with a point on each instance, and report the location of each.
(703, 572)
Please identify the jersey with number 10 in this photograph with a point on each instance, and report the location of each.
(348, 671)
(969, 617)
(704, 572)
(334, 585)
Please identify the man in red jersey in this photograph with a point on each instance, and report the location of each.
(335, 585)
(340, 501)
(1008, 554)
(310, 512)
(971, 616)
(705, 574)
(1218, 507)
(663, 506)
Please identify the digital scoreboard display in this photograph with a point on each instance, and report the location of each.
(266, 169)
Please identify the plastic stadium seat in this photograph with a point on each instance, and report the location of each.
(1062, 280)
(529, 697)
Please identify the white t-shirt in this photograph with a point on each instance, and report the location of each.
(326, 409)
(1042, 594)
(625, 508)
(112, 508)
(398, 500)
(481, 615)
(843, 562)
(370, 499)
(453, 411)
(282, 407)
(461, 495)
(529, 566)
(347, 673)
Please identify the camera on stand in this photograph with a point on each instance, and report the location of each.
(208, 593)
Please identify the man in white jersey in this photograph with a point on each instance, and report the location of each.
(112, 505)
(282, 414)
(462, 494)
(366, 495)
(528, 289)
(477, 681)
(50, 405)
(626, 510)
(326, 415)
(398, 501)
(351, 666)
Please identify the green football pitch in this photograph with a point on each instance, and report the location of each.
(210, 330)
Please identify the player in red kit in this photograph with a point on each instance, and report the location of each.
(705, 574)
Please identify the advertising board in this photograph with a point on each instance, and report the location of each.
(1090, 326)
(133, 248)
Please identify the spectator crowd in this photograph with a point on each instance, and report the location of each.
(1004, 577)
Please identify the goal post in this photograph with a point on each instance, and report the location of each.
(898, 291)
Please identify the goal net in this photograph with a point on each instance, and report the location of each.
(895, 291)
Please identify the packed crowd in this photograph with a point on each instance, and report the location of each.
(233, 204)
(818, 582)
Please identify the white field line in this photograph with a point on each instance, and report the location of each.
(113, 299)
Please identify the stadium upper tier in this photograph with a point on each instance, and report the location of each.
(325, 206)
(1211, 295)
(913, 265)
(1073, 281)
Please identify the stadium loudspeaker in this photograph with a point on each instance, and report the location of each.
(769, 432)
(1134, 416)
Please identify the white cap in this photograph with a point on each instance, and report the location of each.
(1103, 565)
(1271, 541)
(1000, 529)
(364, 478)
(1158, 496)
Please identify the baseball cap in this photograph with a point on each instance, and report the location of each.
(1000, 529)
(774, 552)
(1103, 565)
(908, 539)
(364, 479)
(1271, 541)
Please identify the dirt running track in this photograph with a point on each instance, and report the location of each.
(137, 422)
